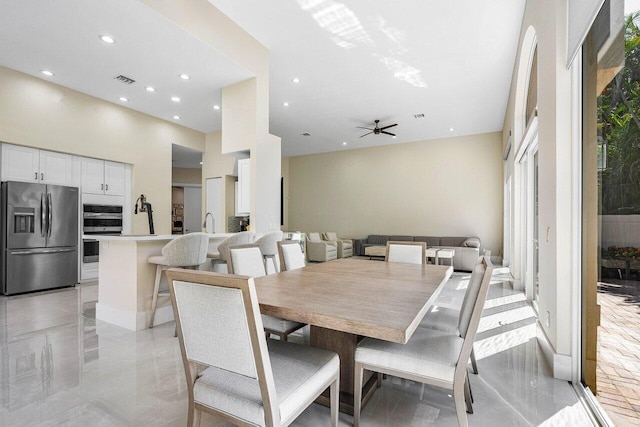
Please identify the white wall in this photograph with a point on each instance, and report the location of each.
(548, 20)
(444, 187)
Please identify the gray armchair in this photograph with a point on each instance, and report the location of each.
(345, 246)
(319, 250)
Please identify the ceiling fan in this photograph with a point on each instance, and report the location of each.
(378, 130)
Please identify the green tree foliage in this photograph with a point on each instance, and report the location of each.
(619, 129)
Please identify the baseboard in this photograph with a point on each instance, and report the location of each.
(132, 320)
(560, 363)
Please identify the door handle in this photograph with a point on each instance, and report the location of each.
(42, 213)
(49, 211)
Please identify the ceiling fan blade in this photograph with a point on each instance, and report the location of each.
(366, 134)
(390, 126)
(387, 133)
(360, 127)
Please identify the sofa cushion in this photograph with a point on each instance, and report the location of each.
(401, 238)
(452, 241)
(314, 237)
(377, 239)
(471, 242)
(429, 240)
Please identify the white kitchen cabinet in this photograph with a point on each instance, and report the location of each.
(243, 189)
(32, 165)
(55, 168)
(102, 177)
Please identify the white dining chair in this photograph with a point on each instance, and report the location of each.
(430, 357)
(232, 371)
(268, 247)
(187, 251)
(246, 260)
(409, 252)
(290, 254)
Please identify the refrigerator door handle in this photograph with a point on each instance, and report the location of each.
(43, 218)
(50, 212)
(40, 251)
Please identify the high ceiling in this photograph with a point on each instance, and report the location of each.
(378, 59)
(357, 61)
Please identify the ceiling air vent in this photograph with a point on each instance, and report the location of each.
(418, 116)
(124, 79)
(306, 134)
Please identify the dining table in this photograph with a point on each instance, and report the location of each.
(346, 300)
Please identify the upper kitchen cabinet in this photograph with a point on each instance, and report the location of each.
(243, 193)
(103, 177)
(33, 165)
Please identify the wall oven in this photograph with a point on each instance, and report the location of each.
(98, 219)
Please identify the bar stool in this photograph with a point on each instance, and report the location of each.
(268, 245)
(220, 257)
(187, 251)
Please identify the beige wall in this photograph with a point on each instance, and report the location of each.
(214, 165)
(445, 187)
(37, 113)
(186, 176)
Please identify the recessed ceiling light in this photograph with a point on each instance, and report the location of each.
(175, 99)
(184, 76)
(176, 117)
(47, 73)
(123, 99)
(216, 107)
(451, 129)
(296, 80)
(150, 89)
(344, 143)
(107, 39)
(286, 104)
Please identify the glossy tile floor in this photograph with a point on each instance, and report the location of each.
(59, 366)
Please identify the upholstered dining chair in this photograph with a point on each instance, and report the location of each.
(187, 251)
(246, 260)
(319, 250)
(232, 370)
(220, 256)
(268, 247)
(409, 252)
(291, 256)
(431, 357)
(345, 246)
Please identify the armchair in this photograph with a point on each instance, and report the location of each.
(345, 246)
(319, 250)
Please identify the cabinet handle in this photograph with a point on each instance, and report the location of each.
(101, 186)
(107, 187)
(41, 176)
(36, 177)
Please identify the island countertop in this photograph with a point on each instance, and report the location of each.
(146, 237)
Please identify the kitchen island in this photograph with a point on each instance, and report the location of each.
(126, 279)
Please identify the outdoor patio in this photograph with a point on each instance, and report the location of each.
(618, 370)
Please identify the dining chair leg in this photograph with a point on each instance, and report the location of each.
(474, 364)
(197, 416)
(461, 412)
(334, 390)
(156, 288)
(357, 393)
(468, 398)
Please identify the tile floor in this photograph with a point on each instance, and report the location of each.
(59, 366)
(618, 368)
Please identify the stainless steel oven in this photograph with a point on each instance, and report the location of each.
(98, 219)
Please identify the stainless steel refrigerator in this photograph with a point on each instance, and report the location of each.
(39, 237)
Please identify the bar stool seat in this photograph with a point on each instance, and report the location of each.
(187, 251)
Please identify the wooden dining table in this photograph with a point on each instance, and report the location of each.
(348, 299)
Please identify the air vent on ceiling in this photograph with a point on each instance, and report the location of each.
(418, 116)
(306, 134)
(124, 79)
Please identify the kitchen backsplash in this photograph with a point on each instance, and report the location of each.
(233, 223)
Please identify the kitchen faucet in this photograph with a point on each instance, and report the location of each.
(213, 222)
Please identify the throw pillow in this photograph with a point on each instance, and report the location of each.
(471, 242)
